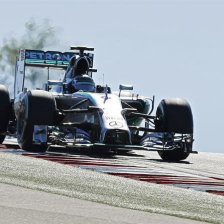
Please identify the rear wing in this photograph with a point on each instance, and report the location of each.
(54, 59)
(43, 59)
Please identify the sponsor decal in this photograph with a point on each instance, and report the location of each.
(52, 55)
(49, 55)
(108, 117)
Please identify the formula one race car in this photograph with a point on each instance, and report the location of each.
(79, 114)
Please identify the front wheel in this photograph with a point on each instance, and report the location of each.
(38, 107)
(175, 116)
(25, 137)
(174, 155)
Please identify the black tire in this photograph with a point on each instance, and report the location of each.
(4, 111)
(25, 137)
(174, 155)
(2, 138)
(174, 115)
(39, 108)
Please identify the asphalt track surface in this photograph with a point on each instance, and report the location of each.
(200, 173)
(20, 205)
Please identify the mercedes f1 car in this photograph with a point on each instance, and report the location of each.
(77, 113)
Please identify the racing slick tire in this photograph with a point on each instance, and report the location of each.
(2, 138)
(174, 155)
(4, 111)
(174, 115)
(38, 108)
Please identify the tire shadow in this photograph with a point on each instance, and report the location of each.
(163, 161)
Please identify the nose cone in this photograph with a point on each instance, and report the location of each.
(114, 126)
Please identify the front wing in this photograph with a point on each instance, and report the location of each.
(101, 146)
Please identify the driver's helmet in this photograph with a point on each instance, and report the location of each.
(84, 83)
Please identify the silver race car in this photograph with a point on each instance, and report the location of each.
(77, 113)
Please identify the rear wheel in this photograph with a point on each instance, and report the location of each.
(175, 116)
(39, 108)
(4, 111)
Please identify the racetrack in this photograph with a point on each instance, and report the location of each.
(171, 195)
(20, 205)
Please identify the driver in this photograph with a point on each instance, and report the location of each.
(77, 77)
(83, 83)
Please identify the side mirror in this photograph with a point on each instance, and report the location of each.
(54, 83)
(125, 87)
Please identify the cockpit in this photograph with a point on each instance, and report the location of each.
(83, 83)
(77, 75)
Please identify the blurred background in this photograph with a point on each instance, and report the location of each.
(166, 48)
